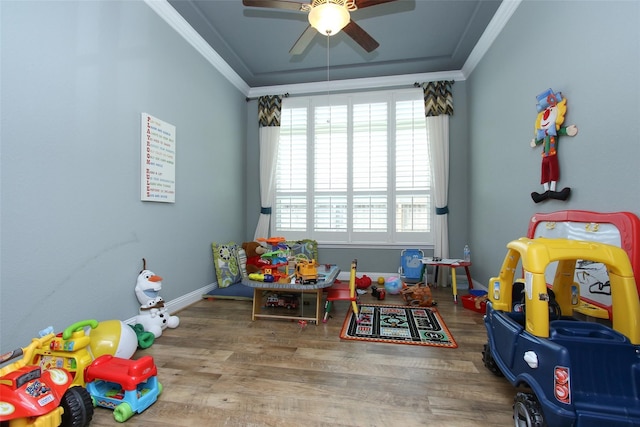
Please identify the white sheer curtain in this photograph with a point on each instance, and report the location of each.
(438, 106)
(438, 134)
(269, 109)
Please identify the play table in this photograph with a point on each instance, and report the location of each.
(326, 277)
(453, 264)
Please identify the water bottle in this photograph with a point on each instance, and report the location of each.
(467, 253)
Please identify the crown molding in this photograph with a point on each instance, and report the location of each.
(178, 23)
(404, 80)
(499, 20)
(182, 27)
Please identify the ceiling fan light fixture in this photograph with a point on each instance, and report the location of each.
(329, 16)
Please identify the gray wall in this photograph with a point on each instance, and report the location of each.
(383, 259)
(77, 75)
(75, 78)
(590, 51)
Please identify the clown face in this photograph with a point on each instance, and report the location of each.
(549, 117)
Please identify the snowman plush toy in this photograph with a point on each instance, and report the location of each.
(154, 316)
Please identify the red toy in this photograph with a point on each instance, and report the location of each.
(363, 282)
(124, 385)
(288, 301)
(378, 293)
(254, 252)
(32, 396)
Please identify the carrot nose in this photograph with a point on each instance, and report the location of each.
(155, 279)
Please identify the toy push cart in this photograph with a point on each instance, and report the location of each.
(124, 385)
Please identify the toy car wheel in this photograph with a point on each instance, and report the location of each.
(122, 412)
(489, 362)
(526, 411)
(78, 407)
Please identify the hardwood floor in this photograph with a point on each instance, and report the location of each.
(218, 368)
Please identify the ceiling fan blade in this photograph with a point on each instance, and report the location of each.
(366, 3)
(275, 4)
(303, 41)
(361, 36)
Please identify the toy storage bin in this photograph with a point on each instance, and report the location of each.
(469, 301)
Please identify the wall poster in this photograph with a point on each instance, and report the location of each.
(158, 157)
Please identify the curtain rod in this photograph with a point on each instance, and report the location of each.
(286, 95)
(416, 84)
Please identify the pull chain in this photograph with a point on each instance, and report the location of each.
(328, 88)
(329, 95)
(327, 65)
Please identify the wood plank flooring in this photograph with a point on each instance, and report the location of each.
(218, 368)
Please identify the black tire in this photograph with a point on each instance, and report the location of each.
(78, 408)
(489, 361)
(555, 312)
(527, 411)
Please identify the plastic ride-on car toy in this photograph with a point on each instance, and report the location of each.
(79, 344)
(124, 385)
(31, 396)
(569, 372)
(68, 350)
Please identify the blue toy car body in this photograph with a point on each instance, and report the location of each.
(574, 373)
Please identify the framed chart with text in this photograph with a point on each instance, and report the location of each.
(158, 160)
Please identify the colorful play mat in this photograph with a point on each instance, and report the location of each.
(398, 325)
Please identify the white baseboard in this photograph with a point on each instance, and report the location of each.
(181, 302)
(345, 275)
(186, 300)
(462, 284)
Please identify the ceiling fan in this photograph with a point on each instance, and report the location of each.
(327, 17)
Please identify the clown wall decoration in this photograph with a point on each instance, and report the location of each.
(552, 108)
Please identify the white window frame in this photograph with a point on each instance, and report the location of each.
(388, 238)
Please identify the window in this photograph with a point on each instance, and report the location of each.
(354, 169)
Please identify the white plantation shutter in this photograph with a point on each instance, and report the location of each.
(291, 174)
(354, 169)
(330, 169)
(370, 167)
(413, 175)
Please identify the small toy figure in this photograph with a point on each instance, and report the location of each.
(380, 294)
(552, 108)
(154, 316)
(254, 251)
